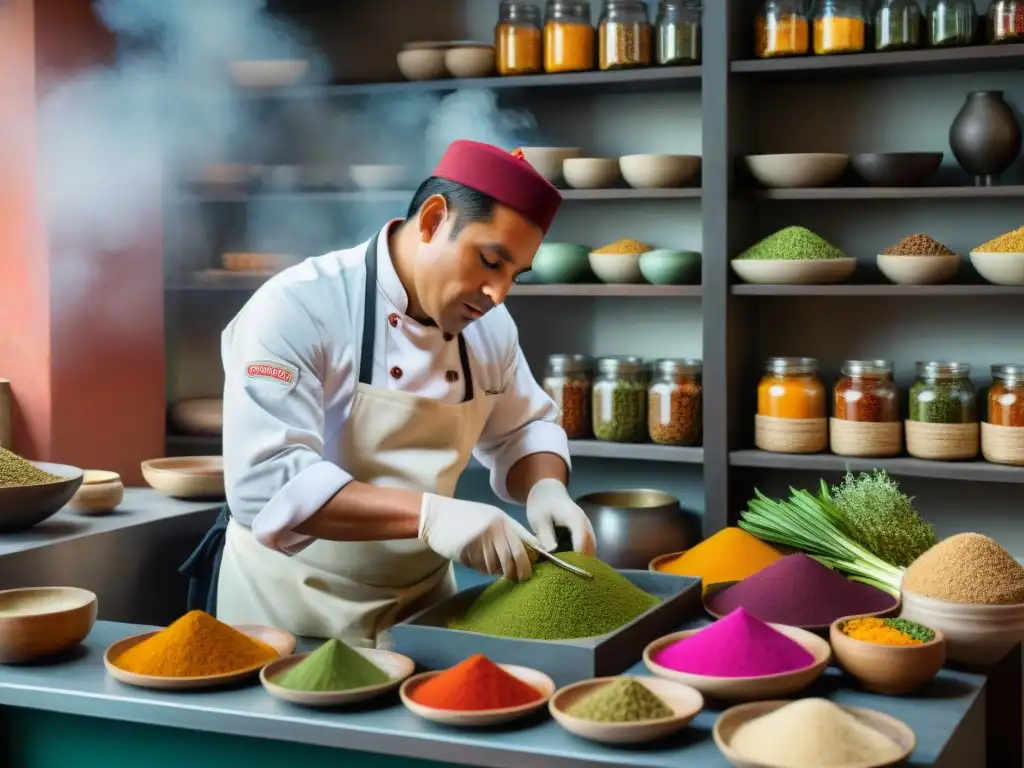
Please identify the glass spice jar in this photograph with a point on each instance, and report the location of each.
(568, 37)
(674, 403)
(866, 392)
(839, 27)
(897, 25)
(1006, 396)
(790, 389)
(781, 29)
(1006, 21)
(518, 39)
(678, 32)
(624, 35)
(951, 22)
(619, 410)
(943, 394)
(567, 382)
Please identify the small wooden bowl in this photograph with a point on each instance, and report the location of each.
(730, 720)
(747, 688)
(397, 666)
(543, 684)
(889, 669)
(42, 621)
(685, 702)
(100, 492)
(283, 642)
(186, 477)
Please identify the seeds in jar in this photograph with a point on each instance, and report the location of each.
(620, 411)
(674, 413)
(624, 45)
(572, 397)
(918, 245)
(942, 402)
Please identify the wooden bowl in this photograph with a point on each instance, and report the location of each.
(24, 506)
(186, 477)
(889, 669)
(101, 492)
(422, 63)
(685, 702)
(730, 720)
(896, 169)
(532, 677)
(794, 271)
(747, 688)
(591, 172)
(283, 642)
(397, 666)
(470, 61)
(42, 621)
(659, 171)
(797, 169)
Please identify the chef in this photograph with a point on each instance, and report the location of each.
(357, 387)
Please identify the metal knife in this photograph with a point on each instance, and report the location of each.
(560, 563)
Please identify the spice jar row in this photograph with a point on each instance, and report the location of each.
(787, 28)
(943, 421)
(564, 39)
(627, 400)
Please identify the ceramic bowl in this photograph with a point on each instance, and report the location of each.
(684, 701)
(795, 271)
(918, 270)
(1000, 268)
(616, 267)
(24, 506)
(664, 266)
(974, 634)
(186, 477)
(548, 161)
(379, 176)
(729, 721)
(591, 172)
(659, 171)
(888, 669)
(199, 415)
(397, 667)
(747, 688)
(43, 621)
(896, 169)
(422, 63)
(799, 169)
(561, 263)
(470, 61)
(100, 492)
(268, 73)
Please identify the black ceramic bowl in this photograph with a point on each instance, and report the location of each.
(896, 169)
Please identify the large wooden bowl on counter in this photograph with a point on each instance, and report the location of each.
(24, 506)
(186, 477)
(42, 621)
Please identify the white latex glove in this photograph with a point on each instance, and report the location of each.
(549, 505)
(479, 536)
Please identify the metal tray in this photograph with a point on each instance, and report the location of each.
(426, 639)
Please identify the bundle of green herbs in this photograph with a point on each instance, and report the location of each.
(865, 527)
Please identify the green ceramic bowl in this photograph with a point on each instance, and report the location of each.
(668, 267)
(562, 263)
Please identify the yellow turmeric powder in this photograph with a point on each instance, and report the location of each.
(732, 554)
(196, 645)
(873, 630)
(625, 246)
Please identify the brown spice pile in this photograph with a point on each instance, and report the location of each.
(16, 472)
(918, 245)
(967, 568)
(1011, 242)
(625, 245)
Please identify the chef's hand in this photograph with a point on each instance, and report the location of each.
(549, 505)
(479, 536)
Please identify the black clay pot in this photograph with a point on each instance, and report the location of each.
(985, 136)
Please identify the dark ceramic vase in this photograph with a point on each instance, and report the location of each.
(985, 136)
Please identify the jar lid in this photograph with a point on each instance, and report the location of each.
(1007, 371)
(569, 8)
(942, 370)
(783, 365)
(682, 366)
(620, 364)
(564, 363)
(866, 368)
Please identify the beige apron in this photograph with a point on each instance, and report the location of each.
(356, 591)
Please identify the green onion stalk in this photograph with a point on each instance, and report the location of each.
(814, 525)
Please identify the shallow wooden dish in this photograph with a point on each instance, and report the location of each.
(24, 506)
(42, 621)
(730, 720)
(747, 688)
(889, 669)
(283, 642)
(686, 703)
(186, 477)
(101, 492)
(397, 666)
(544, 685)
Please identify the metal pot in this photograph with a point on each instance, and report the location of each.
(633, 527)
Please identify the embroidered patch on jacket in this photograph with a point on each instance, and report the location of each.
(279, 373)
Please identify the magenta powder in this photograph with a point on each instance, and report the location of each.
(738, 645)
(799, 591)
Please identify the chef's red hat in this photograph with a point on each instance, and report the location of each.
(506, 177)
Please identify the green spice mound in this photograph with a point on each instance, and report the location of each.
(332, 667)
(16, 472)
(792, 244)
(623, 701)
(557, 605)
(911, 629)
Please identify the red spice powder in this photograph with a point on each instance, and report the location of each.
(473, 685)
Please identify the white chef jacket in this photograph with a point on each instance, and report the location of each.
(282, 454)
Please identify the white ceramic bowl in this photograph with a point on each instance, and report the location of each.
(975, 634)
(548, 160)
(268, 73)
(422, 63)
(795, 271)
(470, 61)
(616, 267)
(591, 172)
(798, 169)
(377, 176)
(659, 171)
(1000, 268)
(918, 270)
